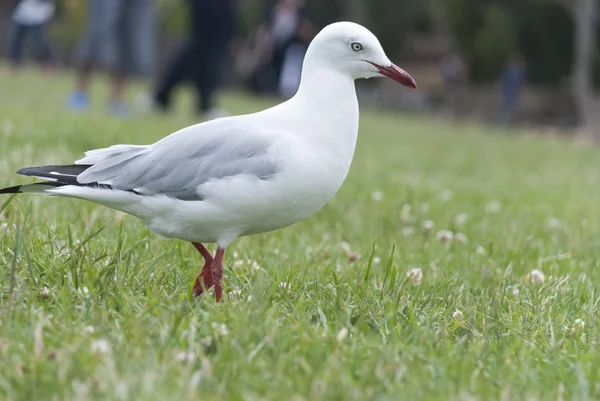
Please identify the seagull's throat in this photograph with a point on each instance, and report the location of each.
(322, 87)
(326, 107)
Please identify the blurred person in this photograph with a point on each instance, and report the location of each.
(290, 31)
(211, 31)
(31, 18)
(453, 75)
(291, 70)
(119, 37)
(513, 79)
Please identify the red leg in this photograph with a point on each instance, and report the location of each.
(217, 273)
(205, 279)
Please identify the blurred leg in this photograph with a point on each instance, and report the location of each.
(118, 53)
(180, 68)
(204, 86)
(207, 78)
(16, 37)
(83, 77)
(79, 99)
(90, 52)
(38, 34)
(141, 20)
(118, 81)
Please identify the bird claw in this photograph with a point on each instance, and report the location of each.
(203, 282)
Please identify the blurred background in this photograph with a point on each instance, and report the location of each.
(522, 62)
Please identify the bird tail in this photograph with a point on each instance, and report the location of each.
(37, 188)
(53, 176)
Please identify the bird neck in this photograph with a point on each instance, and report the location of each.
(320, 83)
(329, 94)
(327, 99)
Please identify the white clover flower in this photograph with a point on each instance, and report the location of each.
(461, 219)
(206, 341)
(341, 334)
(444, 236)
(408, 231)
(376, 260)
(283, 285)
(352, 256)
(446, 195)
(515, 292)
(458, 315)
(238, 264)
(428, 225)
(7, 126)
(220, 329)
(580, 324)
(184, 357)
(405, 214)
(553, 222)
(88, 330)
(461, 238)
(377, 195)
(492, 207)
(535, 276)
(480, 250)
(100, 347)
(415, 275)
(237, 291)
(44, 293)
(345, 246)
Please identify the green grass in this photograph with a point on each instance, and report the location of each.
(117, 321)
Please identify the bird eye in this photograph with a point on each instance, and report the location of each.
(356, 46)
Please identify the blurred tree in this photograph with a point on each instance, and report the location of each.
(486, 31)
(585, 12)
(356, 11)
(495, 40)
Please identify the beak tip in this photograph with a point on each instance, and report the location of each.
(397, 74)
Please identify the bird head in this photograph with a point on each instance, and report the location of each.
(354, 50)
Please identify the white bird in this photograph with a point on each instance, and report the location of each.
(219, 180)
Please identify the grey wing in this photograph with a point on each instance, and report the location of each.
(179, 164)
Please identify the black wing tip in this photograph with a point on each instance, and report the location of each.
(69, 169)
(11, 190)
(24, 170)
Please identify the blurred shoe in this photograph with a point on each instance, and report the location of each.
(79, 101)
(146, 103)
(213, 114)
(118, 108)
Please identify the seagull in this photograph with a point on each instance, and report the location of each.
(235, 176)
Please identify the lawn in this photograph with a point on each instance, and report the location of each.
(504, 229)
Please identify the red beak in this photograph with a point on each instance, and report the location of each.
(397, 74)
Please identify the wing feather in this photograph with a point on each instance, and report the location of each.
(178, 165)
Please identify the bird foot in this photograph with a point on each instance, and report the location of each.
(211, 274)
(204, 282)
